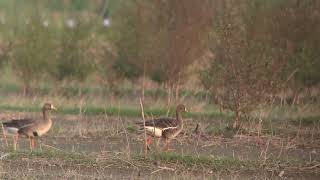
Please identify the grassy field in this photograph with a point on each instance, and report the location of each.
(94, 137)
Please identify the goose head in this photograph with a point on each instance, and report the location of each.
(48, 106)
(181, 108)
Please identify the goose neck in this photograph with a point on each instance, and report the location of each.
(178, 117)
(46, 114)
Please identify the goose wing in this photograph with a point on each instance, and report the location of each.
(18, 123)
(162, 123)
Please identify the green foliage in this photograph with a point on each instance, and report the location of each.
(157, 40)
(5, 50)
(159, 75)
(280, 27)
(308, 64)
(56, 5)
(80, 4)
(74, 60)
(34, 50)
(125, 69)
(161, 39)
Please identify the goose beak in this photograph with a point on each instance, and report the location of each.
(54, 108)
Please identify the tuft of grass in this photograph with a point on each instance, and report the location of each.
(131, 128)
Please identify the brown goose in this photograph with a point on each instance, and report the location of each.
(30, 128)
(165, 128)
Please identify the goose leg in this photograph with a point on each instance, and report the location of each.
(40, 143)
(32, 143)
(15, 142)
(149, 141)
(166, 147)
(158, 142)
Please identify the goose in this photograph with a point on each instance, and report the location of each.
(164, 128)
(30, 128)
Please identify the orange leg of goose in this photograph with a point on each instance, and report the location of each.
(32, 143)
(149, 141)
(158, 142)
(15, 141)
(166, 147)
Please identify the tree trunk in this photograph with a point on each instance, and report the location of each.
(143, 82)
(178, 88)
(169, 90)
(27, 89)
(169, 96)
(236, 123)
(80, 91)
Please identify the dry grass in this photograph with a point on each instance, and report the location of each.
(106, 145)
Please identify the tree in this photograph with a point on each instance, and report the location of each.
(290, 29)
(243, 71)
(294, 27)
(160, 39)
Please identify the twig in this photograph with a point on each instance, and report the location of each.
(4, 135)
(51, 147)
(126, 133)
(127, 162)
(209, 145)
(265, 152)
(311, 167)
(163, 168)
(144, 128)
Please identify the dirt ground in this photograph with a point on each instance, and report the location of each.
(111, 148)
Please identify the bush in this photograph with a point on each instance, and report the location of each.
(34, 50)
(74, 61)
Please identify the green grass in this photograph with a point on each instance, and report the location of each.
(114, 111)
(131, 128)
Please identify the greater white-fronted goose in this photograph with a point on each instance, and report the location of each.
(165, 128)
(30, 128)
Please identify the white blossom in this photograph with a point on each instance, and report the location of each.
(45, 23)
(71, 23)
(106, 22)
